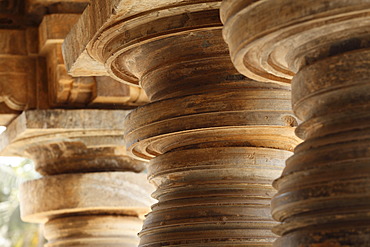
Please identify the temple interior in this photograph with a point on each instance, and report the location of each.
(190, 123)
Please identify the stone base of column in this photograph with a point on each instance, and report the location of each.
(93, 230)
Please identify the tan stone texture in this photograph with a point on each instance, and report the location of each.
(112, 193)
(217, 132)
(322, 49)
(88, 176)
(97, 231)
(215, 139)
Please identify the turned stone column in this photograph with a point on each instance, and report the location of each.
(323, 46)
(215, 139)
(92, 193)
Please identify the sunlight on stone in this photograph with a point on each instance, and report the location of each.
(12, 161)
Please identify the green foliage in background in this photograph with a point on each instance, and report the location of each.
(14, 232)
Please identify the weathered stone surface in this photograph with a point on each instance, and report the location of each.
(90, 181)
(65, 90)
(71, 123)
(17, 71)
(21, 74)
(113, 193)
(66, 141)
(258, 117)
(32, 70)
(288, 35)
(216, 140)
(96, 20)
(213, 163)
(108, 91)
(213, 195)
(50, 30)
(323, 193)
(97, 230)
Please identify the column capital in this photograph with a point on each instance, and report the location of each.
(132, 22)
(272, 40)
(65, 141)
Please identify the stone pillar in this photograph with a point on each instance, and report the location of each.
(323, 46)
(215, 139)
(92, 193)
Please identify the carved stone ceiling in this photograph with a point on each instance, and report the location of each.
(32, 69)
(21, 13)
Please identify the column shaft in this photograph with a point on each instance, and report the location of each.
(216, 160)
(324, 190)
(323, 46)
(215, 139)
